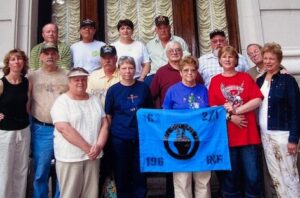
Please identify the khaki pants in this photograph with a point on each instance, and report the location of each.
(183, 184)
(14, 154)
(78, 179)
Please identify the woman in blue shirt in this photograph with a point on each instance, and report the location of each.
(187, 94)
(121, 104)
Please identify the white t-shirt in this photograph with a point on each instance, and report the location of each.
(87, 55)
(83, 115)
(263, 110)
(136, 50)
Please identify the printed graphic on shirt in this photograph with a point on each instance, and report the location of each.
(193, 100)
(232, 93)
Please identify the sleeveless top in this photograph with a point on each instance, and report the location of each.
(13, 102)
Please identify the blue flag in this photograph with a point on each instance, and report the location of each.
(183, 140)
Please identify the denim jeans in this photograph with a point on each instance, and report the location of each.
(42, 154)
(245, 177)
(130, 182)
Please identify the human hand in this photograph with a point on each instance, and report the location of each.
(292, 148)
(239, 120)
(229, 107)
(94, 151)
(1, 116)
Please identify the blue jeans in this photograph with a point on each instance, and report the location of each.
(42, 154)
(130, 182)
(245, 175)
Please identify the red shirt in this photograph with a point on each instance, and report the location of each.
(165, 77)
(238, 89)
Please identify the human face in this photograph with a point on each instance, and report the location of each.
(188, 74)
(49, 57)
(163, 32)
(108, 62)
(50, 33)
(87, 33)
(175, 53)
(125, 31)
(228, 61)
(15, 63)
(217, 42)
(127, 71)
(271, 62)
(254, 54)
(78, 85)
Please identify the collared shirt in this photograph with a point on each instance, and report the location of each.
(157, 52)
(65, 56)
(98, 83)
(209, 66)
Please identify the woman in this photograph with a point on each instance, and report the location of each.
(126, 46)
(80, 134)
(14, 125)
(187, 94)
(240, 96)
(122, 101)
(279, 116)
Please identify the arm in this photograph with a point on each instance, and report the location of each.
(249, 106)
(65, 57)
(28, 105)
(145, 70)
(72, 136)
(101, 141)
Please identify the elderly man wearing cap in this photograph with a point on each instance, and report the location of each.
(50, 34)
(46, 84)
(100, 80)
(81, 131)
(209, 64)
(156, 46)
(86, 52)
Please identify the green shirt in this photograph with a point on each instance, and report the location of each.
(65, 56)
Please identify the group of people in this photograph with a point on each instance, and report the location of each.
(82, 100)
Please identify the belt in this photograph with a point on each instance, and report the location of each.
(41, 123)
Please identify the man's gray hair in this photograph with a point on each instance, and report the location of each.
(170, 44)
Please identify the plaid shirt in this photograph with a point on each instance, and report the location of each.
(209, 66)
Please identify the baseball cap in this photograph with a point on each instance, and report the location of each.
(49, 45)
(87, 22)
(162, 20)
(108, 50)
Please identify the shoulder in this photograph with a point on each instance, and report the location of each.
(97, 73)
(151, 42)
(206, 56)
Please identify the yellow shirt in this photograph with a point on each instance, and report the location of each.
(98, 83)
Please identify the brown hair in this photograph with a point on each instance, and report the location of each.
(230, 50)
(125, 22)
(273, 48)
(18, 53)
(191, 60)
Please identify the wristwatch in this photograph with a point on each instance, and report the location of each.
(228, 116)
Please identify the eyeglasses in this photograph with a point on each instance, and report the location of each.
(176, 50)
(215, 41)
(189, 70)
(255, 52)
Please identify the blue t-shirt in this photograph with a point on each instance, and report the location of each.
(121, 103)
(180, 96)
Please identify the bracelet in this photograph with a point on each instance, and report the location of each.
(228, 116)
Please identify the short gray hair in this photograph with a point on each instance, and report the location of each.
(126, 59)
(170, 44)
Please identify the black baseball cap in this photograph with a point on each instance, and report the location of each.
(87, 22)
(162, 20)
(108, 50)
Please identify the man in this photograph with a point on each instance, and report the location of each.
(254, 53)
(46, 84)
(165, 77)
(100, 80)
(156, 46)
(50, 34)
(98, 83)
(86, 52)
(209, 64)
(168, 74)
